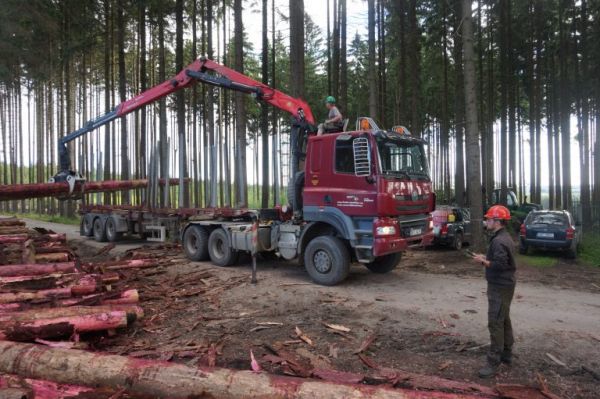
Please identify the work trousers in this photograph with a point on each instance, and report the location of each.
(501, 333)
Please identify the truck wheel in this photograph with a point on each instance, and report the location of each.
(294, 191)
(87, 227)
(195, 243)
(385, 263)
(219, 249)
(99, 230)
(326, 260)
(112, 234)
(458, 241)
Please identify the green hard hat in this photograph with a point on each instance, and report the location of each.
(330, 100)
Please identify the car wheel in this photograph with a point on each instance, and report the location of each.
(572, 251)
(327, 260)
(384, 264)
(219, 249)
(112, 234)
(99, 230)
(195, 243)
(458, 241)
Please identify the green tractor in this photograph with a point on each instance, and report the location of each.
(517, 210)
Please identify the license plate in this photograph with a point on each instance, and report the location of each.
(545, 235)
(415, 232)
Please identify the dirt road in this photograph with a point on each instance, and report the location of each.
(428, 316)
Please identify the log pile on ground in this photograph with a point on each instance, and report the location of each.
(46, 293)
(20, 245)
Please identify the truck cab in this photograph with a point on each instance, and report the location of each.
(372, 187)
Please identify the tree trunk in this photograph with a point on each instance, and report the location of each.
(297, 48)
(565, 106)
(264, 122)
(343, 101)
(240, 110)
(335, 61)
(414, 61)
(459, 181)
(472, 128)
(171, 380)
(123, 96)
(372, 67)
(184, 199)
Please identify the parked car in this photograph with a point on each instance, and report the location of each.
(451, 226)
(549, 230)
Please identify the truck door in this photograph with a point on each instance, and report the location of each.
(331, 181)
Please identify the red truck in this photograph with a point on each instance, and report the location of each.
(356, 196)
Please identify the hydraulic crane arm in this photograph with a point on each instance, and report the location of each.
(201, 70)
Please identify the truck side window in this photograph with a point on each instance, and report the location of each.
(344, 156)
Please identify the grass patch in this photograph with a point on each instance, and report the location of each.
(48, 218)
(537, 260)
(590, 249)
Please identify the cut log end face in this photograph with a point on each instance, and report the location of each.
(25, 332)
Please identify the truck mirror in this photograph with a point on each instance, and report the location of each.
(362, 156)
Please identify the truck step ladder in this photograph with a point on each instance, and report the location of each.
(157, 233)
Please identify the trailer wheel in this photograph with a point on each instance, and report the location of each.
(327, 260)
(195, 243)
(385, 263)
(99, 230)
(111, 230)
(219, 249)
(87, 227)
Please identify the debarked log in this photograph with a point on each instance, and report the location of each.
(132, 311)
(159, 379)
(62, 326)
(36, 269)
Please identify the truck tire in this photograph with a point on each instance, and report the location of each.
(195, 243)
(87, 227)
(99, 230)
(385, 263)
(294, 191)
(219, 249)
(112, 234)
(458, 241)
(327, 260)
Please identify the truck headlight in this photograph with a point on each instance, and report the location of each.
(385, 231)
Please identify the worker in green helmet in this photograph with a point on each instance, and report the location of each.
(334, 122)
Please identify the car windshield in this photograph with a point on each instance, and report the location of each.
(556, 219)
(400, 157)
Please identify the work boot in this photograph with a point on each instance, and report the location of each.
(506, 357)
(489, 370)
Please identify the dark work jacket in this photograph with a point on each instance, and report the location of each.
(502, 260)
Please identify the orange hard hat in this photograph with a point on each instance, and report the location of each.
(498, 212)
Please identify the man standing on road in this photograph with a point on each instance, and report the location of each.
(500, 270)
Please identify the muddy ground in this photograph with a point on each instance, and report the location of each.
(428, 316)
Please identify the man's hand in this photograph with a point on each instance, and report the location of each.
(480, 258)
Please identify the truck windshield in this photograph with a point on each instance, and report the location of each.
(402, 158)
